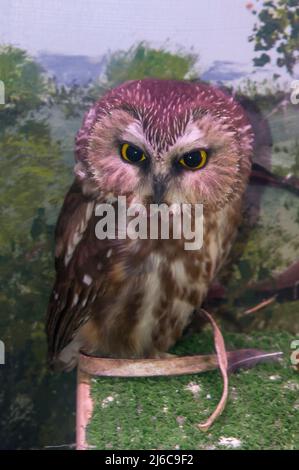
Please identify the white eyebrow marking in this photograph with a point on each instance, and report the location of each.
(193, 136)
(134, 133)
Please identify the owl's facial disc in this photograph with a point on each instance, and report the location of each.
(203, 164)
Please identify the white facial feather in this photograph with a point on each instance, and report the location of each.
(134, 134)
(192, 138)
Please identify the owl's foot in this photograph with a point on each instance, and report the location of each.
(161, 355)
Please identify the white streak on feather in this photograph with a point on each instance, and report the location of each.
(75, 300)
(87, 279)
(78, 233)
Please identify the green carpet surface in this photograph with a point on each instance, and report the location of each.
(162, 413)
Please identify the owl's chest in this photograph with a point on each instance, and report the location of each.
(176, 282)
(176, 271)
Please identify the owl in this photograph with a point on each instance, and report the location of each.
(152, 141)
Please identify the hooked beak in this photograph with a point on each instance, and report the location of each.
(159, 188)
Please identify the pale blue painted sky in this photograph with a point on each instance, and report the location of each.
(216, 29)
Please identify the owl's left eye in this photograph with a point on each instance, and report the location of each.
(132, 154)
(194, 160)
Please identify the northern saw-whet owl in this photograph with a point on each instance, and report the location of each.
(153, 141)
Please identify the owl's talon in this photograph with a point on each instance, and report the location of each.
(162, 355)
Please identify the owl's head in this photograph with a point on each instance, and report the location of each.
(166, 141)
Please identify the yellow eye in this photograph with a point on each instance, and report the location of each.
(194, 160)
(132, 154)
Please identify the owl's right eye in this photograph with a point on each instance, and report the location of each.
(132, 154)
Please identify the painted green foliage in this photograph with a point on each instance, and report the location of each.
(277, 27)
(33, 178)
(142, 61)
(25, 86)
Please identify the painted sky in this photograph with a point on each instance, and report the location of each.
(217, 29)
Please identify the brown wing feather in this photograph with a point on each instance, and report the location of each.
(75, 285)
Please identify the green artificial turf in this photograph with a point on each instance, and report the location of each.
(161, 413)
